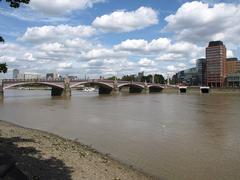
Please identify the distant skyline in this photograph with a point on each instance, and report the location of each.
(110, 37)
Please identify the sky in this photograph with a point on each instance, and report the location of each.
(107, 38)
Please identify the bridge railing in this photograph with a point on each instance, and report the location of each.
(30, 80)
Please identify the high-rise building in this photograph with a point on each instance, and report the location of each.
(201, 69)
(140, 75)
(15, 73)
(231, 65)
(52, 76)
(216, 64)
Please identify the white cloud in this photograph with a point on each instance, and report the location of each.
(132, 45)
(145, 62)
(7, 59)
(51, 47)
(102, 53)
(163, 47)
(177, 67)
(59, 7)
(122, 21)
(230, 54)
(65, 65)
(49, 33)
(110, 67)
(29, 56)
(200, 22)
(170, 57)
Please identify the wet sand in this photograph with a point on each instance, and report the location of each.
(42, 155)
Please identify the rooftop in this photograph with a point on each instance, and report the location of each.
(215, 43)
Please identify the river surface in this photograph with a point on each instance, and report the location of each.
(171, 136)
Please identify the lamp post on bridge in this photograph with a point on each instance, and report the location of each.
(67, 88)
(115, 86)
(146, 88)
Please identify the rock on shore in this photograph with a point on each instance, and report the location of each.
(42, 155)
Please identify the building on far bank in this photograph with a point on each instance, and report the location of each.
(26, 76)
(231, 65)
(15, 73)
(140, 76)
(187, 77)
(201, 70)
(73, 77)
(216, 55)
(233, 80)
(52, 76)
(216, 70)
(238, 67)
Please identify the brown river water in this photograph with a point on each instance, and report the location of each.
(171, 136)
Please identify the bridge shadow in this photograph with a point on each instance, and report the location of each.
(30, 161)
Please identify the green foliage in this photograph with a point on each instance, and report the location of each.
(112, 78)
(16, 3)
(13, 4)
(1, 39)
(129, 78)
(3, 68)
(158, 78)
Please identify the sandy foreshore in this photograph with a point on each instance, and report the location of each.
(42, 155)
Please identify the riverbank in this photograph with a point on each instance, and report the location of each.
(41, 155)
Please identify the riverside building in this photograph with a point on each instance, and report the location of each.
(15, 73)
(201, 69)
(216, 64)
(232, 65)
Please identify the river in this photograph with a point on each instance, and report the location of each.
(168, 135)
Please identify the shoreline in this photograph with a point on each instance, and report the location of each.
(44, 155)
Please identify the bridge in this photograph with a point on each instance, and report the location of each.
(65, 86)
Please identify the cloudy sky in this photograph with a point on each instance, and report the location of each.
(115, 37)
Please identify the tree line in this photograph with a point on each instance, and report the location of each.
(158, 78)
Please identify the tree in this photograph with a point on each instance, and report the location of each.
(13, 4)
(16, 3)
(1, 39)
(158, 78)
(112, 78)
(3, 68)
(129, 78)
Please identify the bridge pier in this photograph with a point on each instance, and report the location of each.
(1, 92)
(146, 88)
(56, 91)
(103, 90)
(115, 89)
(155, 89)
(65, 92)
(135, 89)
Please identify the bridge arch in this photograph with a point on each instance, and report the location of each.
(155, 88)
(92, 83)
(133, 87)
(130, 84)
(28, 83)
(104, 88)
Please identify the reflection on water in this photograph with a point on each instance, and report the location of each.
(171, 136)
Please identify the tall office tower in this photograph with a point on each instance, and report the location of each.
(201, 70)
(15, 73)
(216, 64)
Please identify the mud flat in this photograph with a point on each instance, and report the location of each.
(42, 155)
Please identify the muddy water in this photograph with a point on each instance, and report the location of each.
(170, 136)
